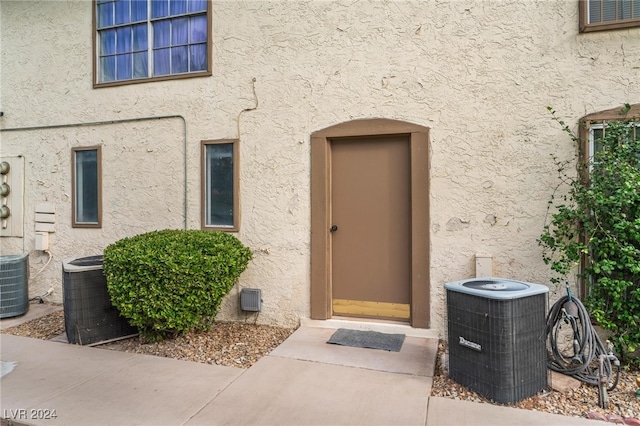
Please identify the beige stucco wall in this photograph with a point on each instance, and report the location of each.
(480, 74)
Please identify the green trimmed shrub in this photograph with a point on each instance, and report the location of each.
(172, 281)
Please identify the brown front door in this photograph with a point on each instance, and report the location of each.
(371, 226)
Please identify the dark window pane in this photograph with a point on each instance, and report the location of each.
(105, 15)
(140, 37)
(178, 6)
(161, 62)
(198, 57)
(198, 29)
(108, 69)
(108, 42)
(197, 5)
(609, 10)
(594, 11)
(161, 34)
(123, 69)
(219, 185)
(122, 12)
(123, 40)
(140, 65)
(138, 10)
(597, 140)
(86, 183)
(625, 9)
(179, 31)
(159, 8)
(179, 60)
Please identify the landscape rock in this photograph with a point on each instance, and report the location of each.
(563, 383)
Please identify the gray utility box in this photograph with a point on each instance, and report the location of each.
(89, 316)
(496, 331)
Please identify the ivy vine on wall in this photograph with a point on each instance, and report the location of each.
(595, 222)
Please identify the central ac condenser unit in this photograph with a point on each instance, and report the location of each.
(89, 316)
(496, 332)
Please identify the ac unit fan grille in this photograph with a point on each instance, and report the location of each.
(503, 354)
(14, 285)
(89, 316)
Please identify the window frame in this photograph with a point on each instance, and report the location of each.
(588, 123)
(602, 125)
(599, 120)
(74, 220)
(236, 185)
(96, 54)
(585, 26)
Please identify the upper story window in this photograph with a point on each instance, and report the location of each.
(141, 40)
(599, 15)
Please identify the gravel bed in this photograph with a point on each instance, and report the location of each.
(242, 345)
(581, 402)
(45, 328)
(231, 344)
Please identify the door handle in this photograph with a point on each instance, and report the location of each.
(333, 228)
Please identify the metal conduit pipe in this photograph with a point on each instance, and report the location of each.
(123, 120)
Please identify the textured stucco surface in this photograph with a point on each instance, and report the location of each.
(480, 74)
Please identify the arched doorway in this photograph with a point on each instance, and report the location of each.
(371, 176)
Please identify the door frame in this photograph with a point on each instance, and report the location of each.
(321, 286)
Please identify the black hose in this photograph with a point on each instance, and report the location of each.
(583, 361)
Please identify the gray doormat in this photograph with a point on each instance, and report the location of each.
(367, 339)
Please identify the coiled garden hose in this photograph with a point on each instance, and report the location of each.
(581, 357)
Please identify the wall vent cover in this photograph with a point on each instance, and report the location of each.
(496, 332)
(251, 299)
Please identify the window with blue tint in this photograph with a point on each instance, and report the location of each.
(143, 39)
(179, 57)
(197, 5)
(139, 10)
(86, 184)
(178, 7)
(105, 14)
(159, 8)
(220, 197)
(140, 41)
(122, 12)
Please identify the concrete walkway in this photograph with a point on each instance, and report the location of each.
(302, 382)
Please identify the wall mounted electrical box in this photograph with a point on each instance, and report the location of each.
(42, 241)
(251, 299)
